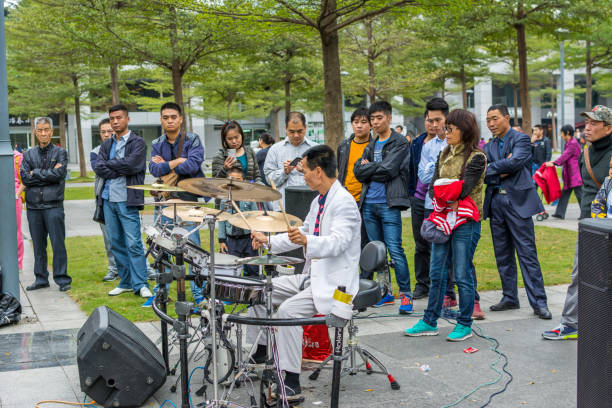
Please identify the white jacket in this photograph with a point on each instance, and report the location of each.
(332, 258)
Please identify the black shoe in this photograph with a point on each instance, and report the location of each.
(543, 313)
(558, 216)
(65, 288)
(420, 294)
(503, 305)
(293, 393)
(36, 286)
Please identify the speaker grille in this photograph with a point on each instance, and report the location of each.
(595, 314)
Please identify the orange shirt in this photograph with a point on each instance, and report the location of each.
(352, 185)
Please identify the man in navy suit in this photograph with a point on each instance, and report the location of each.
(511, 200)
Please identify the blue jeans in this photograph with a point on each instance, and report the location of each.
(385, 224)
(459, 249)
(195, 238)
(123, 227)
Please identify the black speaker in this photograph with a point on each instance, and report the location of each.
(595, 313)
(297, 202)
(118, 365)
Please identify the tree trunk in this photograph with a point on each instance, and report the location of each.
(188, 112)
(464, 88)
(62, 128)
(515, 101)
(32, 133)
(589, 78)
(287, 94)
(275, 127)
(334, 122)
(114, 80)
(177, 73)
(524, 78)
(77, 113)
(371, 72)
(553, 109)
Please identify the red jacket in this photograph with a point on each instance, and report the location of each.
(446, 220)
(546, 178)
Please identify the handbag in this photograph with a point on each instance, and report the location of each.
(99, 213)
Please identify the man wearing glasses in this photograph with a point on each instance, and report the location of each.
(106, 132)
(43, 172)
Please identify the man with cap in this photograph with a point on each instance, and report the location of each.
(594, 167)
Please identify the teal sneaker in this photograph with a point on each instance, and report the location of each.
(460, 333)
(421, 329)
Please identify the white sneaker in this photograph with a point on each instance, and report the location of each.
(145, 292)
(118, 291)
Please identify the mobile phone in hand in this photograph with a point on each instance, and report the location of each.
(295, 161)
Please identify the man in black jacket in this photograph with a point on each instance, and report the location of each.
(121, 163)
(349, 152)
(383, 172)
(43, 172)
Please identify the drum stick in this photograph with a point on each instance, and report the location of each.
(280, 202)
(242, 215)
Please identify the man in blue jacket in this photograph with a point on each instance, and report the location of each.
(182, 153)
(121, 163)
(510, 202)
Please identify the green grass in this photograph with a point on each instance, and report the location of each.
(79, 193)
(87, 266)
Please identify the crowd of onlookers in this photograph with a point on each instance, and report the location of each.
(439, 175)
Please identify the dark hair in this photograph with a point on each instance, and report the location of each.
(294, 117)
(119, 107)
(538, 126)
(470, 134)
(267, 138)
(503, 109)
(171, 105)
(360, 113)
(321, 156)
(436, 104)
(235, 170)
(103, 122)
(400, 126)
(380, 106)
(568, 130)
(227, 126)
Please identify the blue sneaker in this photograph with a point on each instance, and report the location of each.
(148, 302)
(421, 329)
(389, 299)
(562, 332)
(405, 304)
(460, 333)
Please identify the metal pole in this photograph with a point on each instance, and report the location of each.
(8, 226)
(562, 80)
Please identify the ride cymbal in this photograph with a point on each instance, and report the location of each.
(221, 188)
(264, 221)
(269, 260)
(155, 187)
(176, 201)
(195, 213)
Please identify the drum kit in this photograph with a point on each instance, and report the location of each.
(219, 275)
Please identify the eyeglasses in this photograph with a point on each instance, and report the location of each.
(448, 129)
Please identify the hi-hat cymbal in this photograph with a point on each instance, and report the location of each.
(195, 214)
(269, 260)
(264, 221)
(221, 188)
(156, 187)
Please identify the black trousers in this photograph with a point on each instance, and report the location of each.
(512, 234)
(43, 223)
(242, 248)
(564, 200)
(364, 241)
(422, 248)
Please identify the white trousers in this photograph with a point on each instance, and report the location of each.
(294, 303)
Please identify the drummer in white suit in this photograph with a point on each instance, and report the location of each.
(331, 240)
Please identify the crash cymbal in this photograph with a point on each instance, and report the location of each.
(194, 213)
(264, 221)
(176, 201)
(221, 187)
(156, 187)
(269, 260)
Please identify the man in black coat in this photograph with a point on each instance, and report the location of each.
(43, 172)
(510, 202)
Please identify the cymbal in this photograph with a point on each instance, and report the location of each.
(155, 187)
(176, 201)
(221, 187)
(195, 213)
(264, 221)
(269, 260)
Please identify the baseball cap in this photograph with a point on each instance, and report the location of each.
(599, 113)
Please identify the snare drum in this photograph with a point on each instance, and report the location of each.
(225, 265)
(238, 290)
